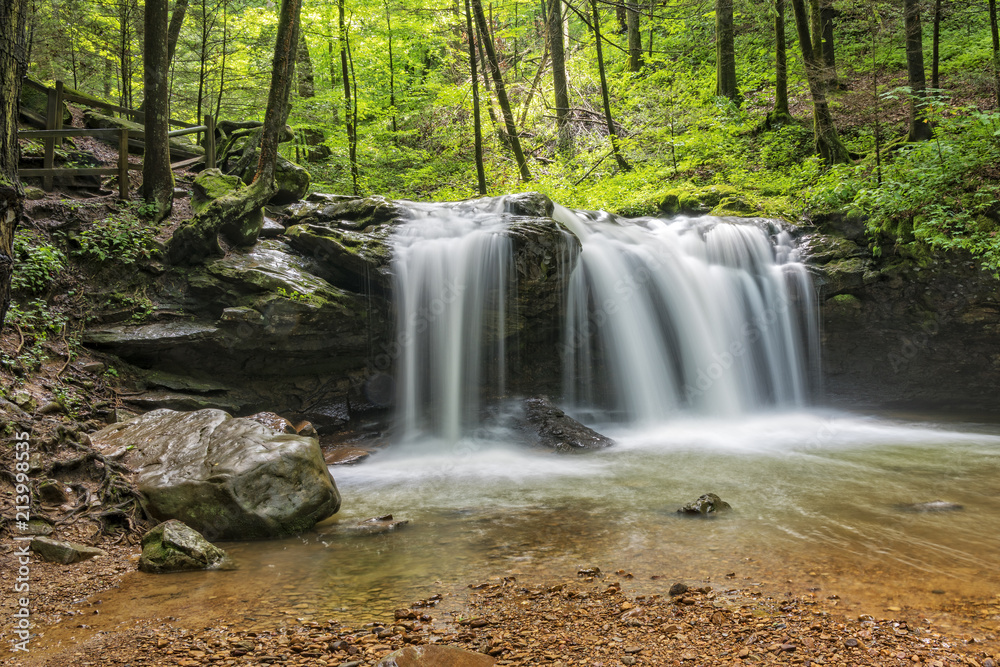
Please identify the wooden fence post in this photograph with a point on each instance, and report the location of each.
(123, 165)
(50, 143)
(210, 141)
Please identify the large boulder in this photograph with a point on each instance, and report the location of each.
(175, 547)
(227, 478)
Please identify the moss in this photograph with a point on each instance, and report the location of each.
(846, 300)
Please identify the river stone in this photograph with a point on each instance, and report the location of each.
(226, 478)
(175, 547)
(551, 427)
(708, 504)
(58, 551)
(435, 656)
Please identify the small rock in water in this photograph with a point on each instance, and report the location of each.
(173, 546)
(678, 589)
(706, 505)
(933, 506)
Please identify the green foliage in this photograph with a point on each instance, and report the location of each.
(37, 264)
(35, 323)
(944, 192)
(122, 238)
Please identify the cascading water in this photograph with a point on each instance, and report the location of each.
(452, 277)
(698, 315)
(693, 314)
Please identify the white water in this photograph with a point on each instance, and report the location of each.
(692, 316)
(452, 281)
(663, 318)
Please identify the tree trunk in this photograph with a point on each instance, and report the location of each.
(477, 121)
(935, 46)
(612, 134)
(304, 69)
(828, 143)
(780, 114)
(996, 48)
(174, 30)
(826, 15)
(345, 74)
(157, 178)
(13, 67)
(489, 88)
(634, 37)
(392, 68)
(816, 26)
(238, 214)
(501, 90)
(725, 51)
(920, 129)
(555, 35)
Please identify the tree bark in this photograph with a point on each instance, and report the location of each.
(345, 74)
(157, 178)
(612, 134)
(304, 69)
(634, 37)
(725, 51)
(501, 90)
(920, 129)
(13, 67)
(559, 85)
(996, 48)
(477, 120)
(780, 114)
(826, 15)
(392, 68)
(238, 214)
(827, 141)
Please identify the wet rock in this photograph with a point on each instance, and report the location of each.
(174, 547)
(435, 656)
(58, 551)
(529, 204)
(551, 427)
(933, 506)
(226, 478)
(345, 456)
(706, 505)
(678, 589)
(273, 421)
(271, 229)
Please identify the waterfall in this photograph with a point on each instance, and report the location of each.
(452, 275)
(697, 315)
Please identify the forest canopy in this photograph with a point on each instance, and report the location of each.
(887, 109)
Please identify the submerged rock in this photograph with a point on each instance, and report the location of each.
(226, 478)
(435, 656)
(58, 551)
(933, 506)
(551, 427)
(174, 547)
(708, 504)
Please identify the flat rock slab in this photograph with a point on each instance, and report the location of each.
(58, 551)
(435, 656)
(227, 478)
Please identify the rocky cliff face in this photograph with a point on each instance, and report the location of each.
(303, 324)
(908, 330)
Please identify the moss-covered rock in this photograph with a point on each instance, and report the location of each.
(210, 185)
(691, 200)
(292, 180)
(173, 546)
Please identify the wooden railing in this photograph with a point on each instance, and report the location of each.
(53, 134)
